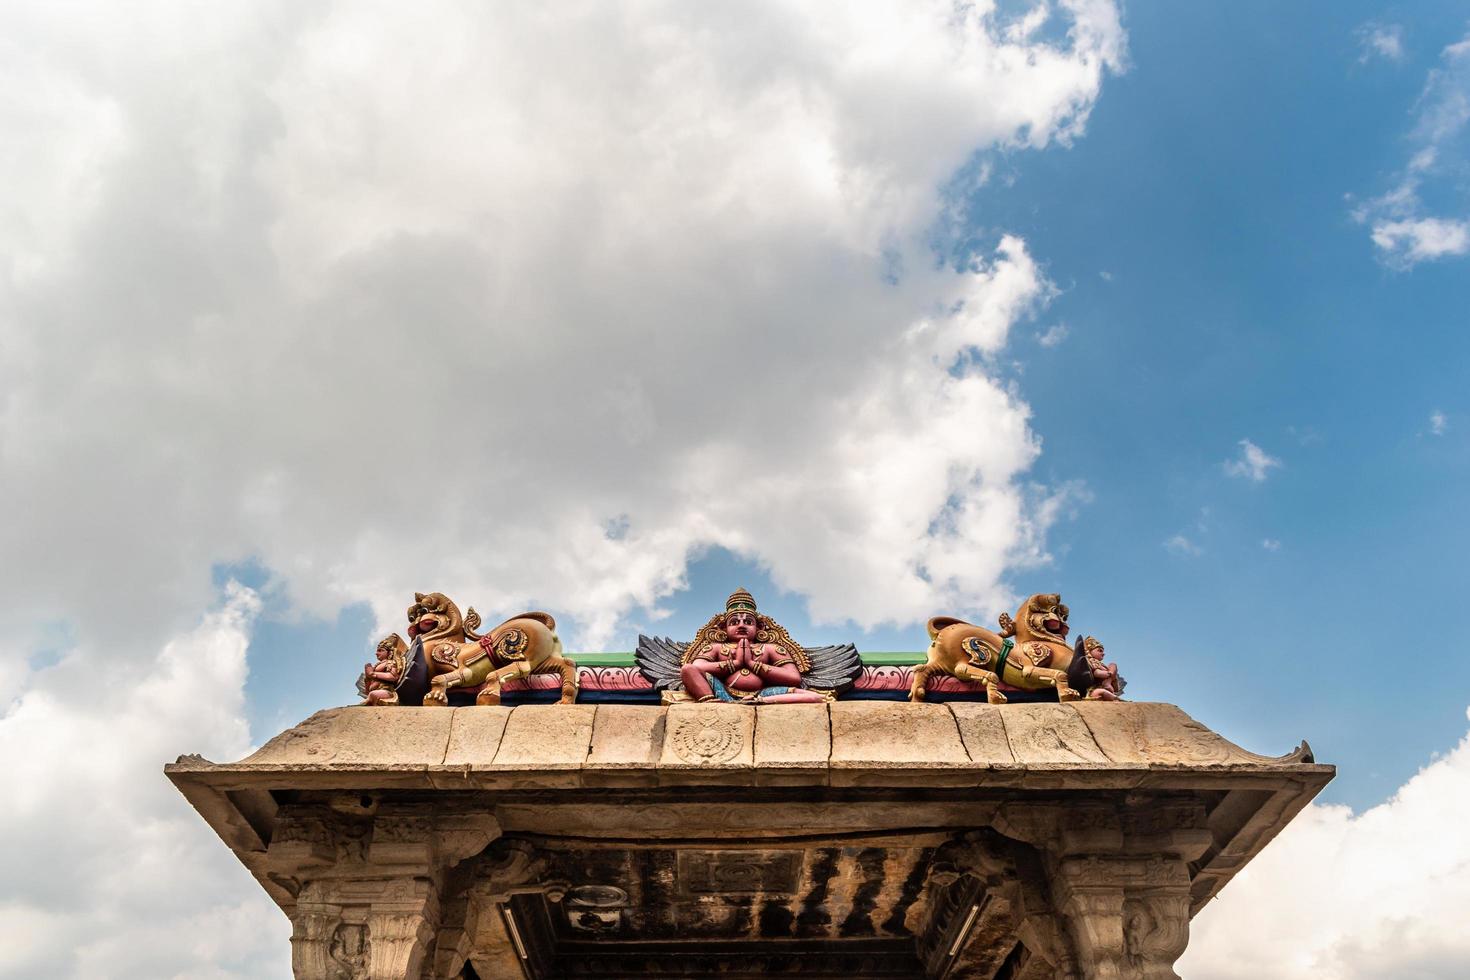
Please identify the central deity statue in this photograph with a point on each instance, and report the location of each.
(741, 656)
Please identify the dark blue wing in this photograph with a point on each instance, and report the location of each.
(834, 668)
(659, 660)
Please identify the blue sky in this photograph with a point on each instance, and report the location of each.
(1212, 286)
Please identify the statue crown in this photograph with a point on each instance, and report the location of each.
(740, 599)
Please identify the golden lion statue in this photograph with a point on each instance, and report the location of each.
(1030, 652)
(457, 656)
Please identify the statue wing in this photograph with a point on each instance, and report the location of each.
(834, 668)
(414, 683)
(659, 660)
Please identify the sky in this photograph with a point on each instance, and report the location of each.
(880, 311)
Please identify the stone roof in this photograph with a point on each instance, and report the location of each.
(837, 751)
(1079, 745)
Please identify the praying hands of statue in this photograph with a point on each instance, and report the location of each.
(381, 672)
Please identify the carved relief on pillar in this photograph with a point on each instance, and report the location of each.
(1113, 895)
(312, 933)
(367, 883)
(363, 928)
(397, 943)
(1127, 916)
(1156, 927)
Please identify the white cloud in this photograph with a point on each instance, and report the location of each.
(525, 303)
(1053, 335)
(1399, 223)
(108, 872)
(1253, 463)
(1181, 544)
(1422, 238)
(388, 301)
(1381, 41)
(1438, 423)
(1374, 896)
(1270, 544)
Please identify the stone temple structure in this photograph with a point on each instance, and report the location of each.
(847, 838)
(743, 806)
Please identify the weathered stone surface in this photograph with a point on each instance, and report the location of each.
(546, 737)
(792, 743)
(1050, 735)
(757, 821)
(709, 736)
(907, 743)
(475, 735)
(1141, 734)
(983, 731)
(627, 741)
(380, 738)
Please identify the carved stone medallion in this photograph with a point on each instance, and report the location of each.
(707, 739)
(739, 872)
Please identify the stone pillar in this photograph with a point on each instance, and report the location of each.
(368, 885)
(1126, 916)
(313, 928)
(363, 928)
(1115, 883)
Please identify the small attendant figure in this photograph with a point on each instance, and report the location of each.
(1102, 680)
(379, 682)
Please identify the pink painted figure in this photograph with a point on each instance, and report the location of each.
(1107, 685)
(379, 683)
(731, 660)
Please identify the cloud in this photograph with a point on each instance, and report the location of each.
(1379, 895)
(1253, 463)
(1270, 544)
(1438, 423)
(529, 304)
(1400, 223)
(1381, 41)
(108, 873)
(1422, 238)
(385, 301)
(1053, 335)
(1181, 544)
